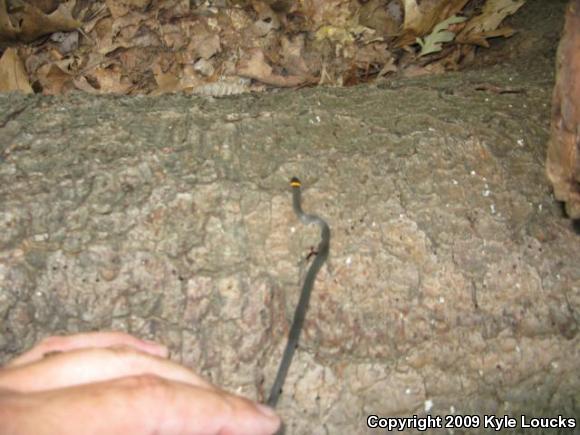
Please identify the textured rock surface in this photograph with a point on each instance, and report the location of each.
(453, 283)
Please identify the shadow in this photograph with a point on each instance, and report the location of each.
(576, 226)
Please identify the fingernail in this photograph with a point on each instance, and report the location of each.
(266, 410)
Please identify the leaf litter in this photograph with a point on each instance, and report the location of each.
(226, 47)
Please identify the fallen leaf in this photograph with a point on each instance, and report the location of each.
(339, 35)
(54, 79)
(485, 25)
(420, 19)
(413, 15)
(111, 80)
(8, 32)
(119, 8)
(292, 55)
(82, 84)
(255, 67)
(376, 53)
(337, 13)
(67, 41)
(28, 22)
(167, 81)
(46, 6)
(384, 16)
(267, 19)
(433, 42)
(13, 76)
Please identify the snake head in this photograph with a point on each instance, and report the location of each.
(295, 182)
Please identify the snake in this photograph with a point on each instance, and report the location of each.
(300, 311)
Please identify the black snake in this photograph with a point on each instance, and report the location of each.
(300, 312)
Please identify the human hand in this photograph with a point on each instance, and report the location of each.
(113, 383)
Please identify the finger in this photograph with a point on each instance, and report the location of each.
(86, 340)
(93, 365)
(138, 405)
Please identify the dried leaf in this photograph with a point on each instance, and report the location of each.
(13, 76)
(292, 55)
(167, 81)
(485, 25)
(31, 22)
(82, 84)
(384, 16)
(111, 80)
(433, 42)
(119, 8)
(257, 68)
(7, 31)
(421, 19)
(376, 53)
(67, 41)
(267, 19)
(325, 12)
(276, 42)
(55, 79)
(413, 15)
(340, 35)
(205, 44)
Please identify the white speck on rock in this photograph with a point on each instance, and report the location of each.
(428, 405)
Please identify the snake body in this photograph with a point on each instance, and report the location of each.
(302, 307)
